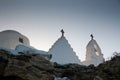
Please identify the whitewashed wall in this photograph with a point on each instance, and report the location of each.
(10, 39)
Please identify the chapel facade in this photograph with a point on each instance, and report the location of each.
(10, 39)
(93, 53)
(62, 52)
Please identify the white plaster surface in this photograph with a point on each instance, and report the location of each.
(10, 39)
(62, 52)
(93, 54)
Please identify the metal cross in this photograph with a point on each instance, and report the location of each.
(62, 31)
(92, 36)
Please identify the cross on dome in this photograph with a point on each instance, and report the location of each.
(62, 31)
(91, 36)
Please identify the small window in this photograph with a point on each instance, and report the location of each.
(20, 40)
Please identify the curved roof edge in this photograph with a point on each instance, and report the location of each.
(9, 31)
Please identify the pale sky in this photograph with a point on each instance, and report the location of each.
(42, 20)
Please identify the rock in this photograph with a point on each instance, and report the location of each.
(40, 62)
(98, 78)
(37, 74)
(3, 61)
(25, 66)
(35, 67)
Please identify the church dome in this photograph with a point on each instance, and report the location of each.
(10, 31)
(11, 38)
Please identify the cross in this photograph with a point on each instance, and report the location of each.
(91, 36)
(62, 31)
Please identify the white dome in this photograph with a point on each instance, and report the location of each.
(62, 52)
(10, 31)
(10, 39)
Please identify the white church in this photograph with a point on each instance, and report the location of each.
(61, 50)
(10, 39)
(93, 53)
